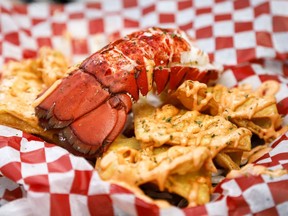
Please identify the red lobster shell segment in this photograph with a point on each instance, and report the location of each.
(89, 107)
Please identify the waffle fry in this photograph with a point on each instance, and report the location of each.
(226, 162)
(22, 82)
(255, 110)
(168, 129)
(184, 170)
(169, 125)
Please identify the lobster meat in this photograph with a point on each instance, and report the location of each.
(89, 107)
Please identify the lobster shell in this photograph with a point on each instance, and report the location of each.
(89, 107)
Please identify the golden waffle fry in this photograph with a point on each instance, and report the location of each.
(225, 161)
(252, 169)
(126, 163)
(21, 82)
(249, 109)
(255, 110)
(169, 125)
(195, 96)
(256, 153)
(195, 187)
(236, 156)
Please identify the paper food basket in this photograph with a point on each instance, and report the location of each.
(249, 37)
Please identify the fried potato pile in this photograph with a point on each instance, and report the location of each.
(169, 125)
(184, 170)
(177, 145)
(20, 84)
(255, 110)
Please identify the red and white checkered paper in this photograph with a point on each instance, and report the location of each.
(249, 37)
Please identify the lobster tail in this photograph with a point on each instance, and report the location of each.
(72, 98)
(92, 132)
(89, 107)
(86, 116)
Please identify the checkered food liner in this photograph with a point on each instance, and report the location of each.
(249, 37)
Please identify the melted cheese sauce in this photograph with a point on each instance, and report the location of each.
(255, 110)
(185, 170)
(169, 125)
(251, 169)
(180, 129)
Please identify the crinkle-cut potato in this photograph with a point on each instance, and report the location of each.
(193, 95)
(184, 170)
(170, 125)
(20, 84)
(252, 169)
(256, 153)
(225, 161)
(255, 110)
